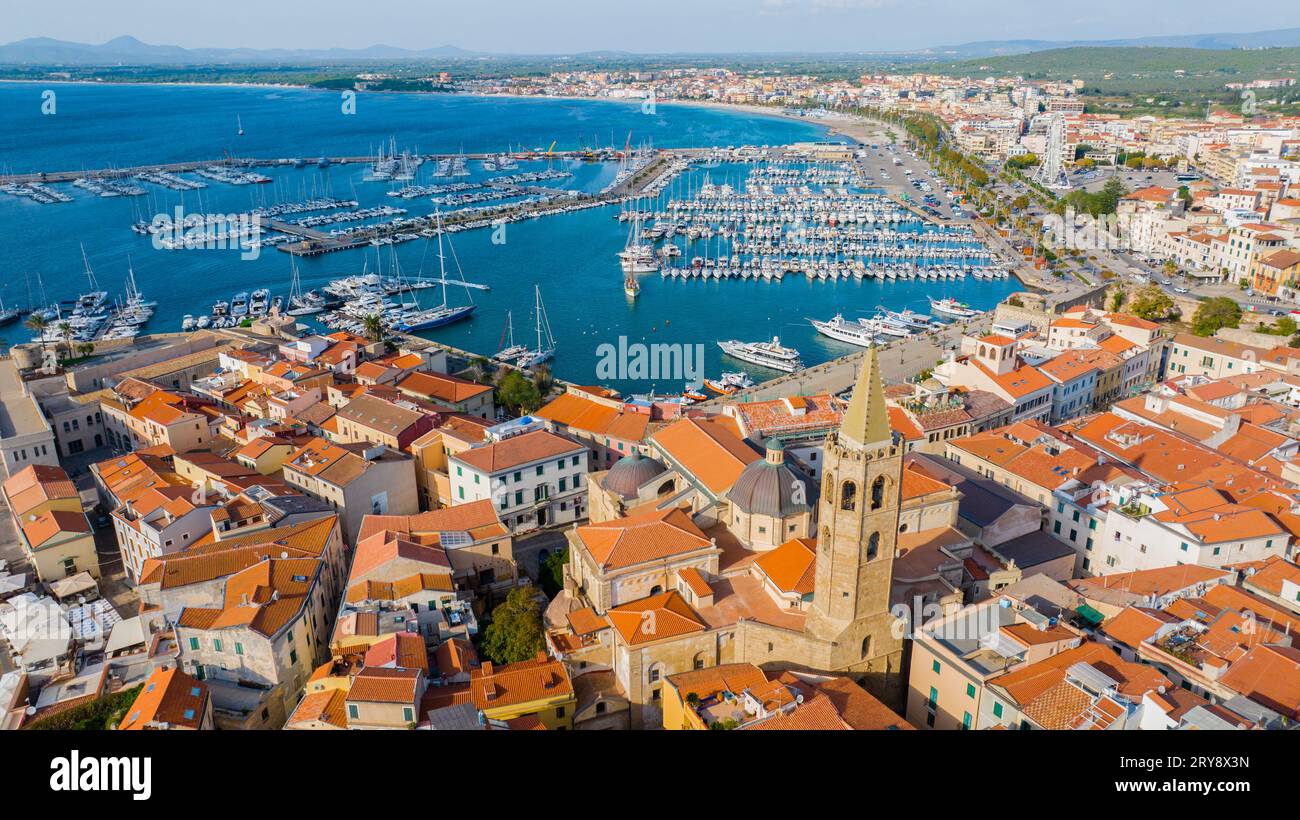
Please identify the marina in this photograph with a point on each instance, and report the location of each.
(569, 246)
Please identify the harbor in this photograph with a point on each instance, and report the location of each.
(799, 215)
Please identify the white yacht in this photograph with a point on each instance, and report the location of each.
(765, 354)
(843, 330)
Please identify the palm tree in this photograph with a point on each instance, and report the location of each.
(37, 324)
(374, 327)
(543, 379)
(65, 331)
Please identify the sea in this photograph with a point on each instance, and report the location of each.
(570, 257)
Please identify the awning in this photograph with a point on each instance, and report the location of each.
(1089, 614)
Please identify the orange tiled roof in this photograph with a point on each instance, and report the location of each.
(518, 450)
(709, 450)
(666, 615)
(792, 566)
(494, 686)
(169, 696)
(650, 535)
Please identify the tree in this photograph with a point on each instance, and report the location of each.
(1284, 326)
(543, 379)
(1170, 267)
(1015, 301)
(1151, 303)
(37, 324)
(86, 348)
(1214, 314)
(517, 394)
(515, 633)
(65, 333)
(1117, 299)
(551, 575)
(374, 327)
(480, 367)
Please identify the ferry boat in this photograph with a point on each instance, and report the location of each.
(729, 383)
(951, 307)
(843, 330)
(765, 354)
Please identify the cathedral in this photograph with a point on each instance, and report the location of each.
(709, 553)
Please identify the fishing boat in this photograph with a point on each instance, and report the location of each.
(693, 395)
(545, 341)
(951, 307)
(765, 354)
(509, 351)
(443, 314)
(842, 330)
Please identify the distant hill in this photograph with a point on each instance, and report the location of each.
(1094, 62)
(1277, 38)
(129, 50)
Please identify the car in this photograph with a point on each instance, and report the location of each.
(1181, 290)
(1276, 312)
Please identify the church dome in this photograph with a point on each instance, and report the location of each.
(630, 473)
(769, 487)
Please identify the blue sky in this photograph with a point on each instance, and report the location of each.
(558, 26)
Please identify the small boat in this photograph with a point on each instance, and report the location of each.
(188, 323)
(729, 383)
(692, 394)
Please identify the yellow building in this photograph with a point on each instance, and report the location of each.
(53, 531)
(540, 688)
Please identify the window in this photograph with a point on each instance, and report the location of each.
(239, 648)
(873, 546)
(216, 644)
(970, 690)
(1056, 527)
(935, 667)
(194, 644)
(541, 469)
(848, 496)
(965, 720)
(878, 493)
(575, 461)
(352, 711)
(1092, 523)
(408, 714)
(559, 711)
(934, 698)
(997, 710)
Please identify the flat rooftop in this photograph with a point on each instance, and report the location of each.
(19, 413)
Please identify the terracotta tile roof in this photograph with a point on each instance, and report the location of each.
(169, 696)
(1027, 681)
(436, 387)
(493, 687)
(454, 656)
(40, 529)
(1270, 575)
(585, 621)
(266, 597)
(791, 567)
(1135, 625)
(1270, 676)
(479, 518)
(517, 451)
(916, 483)
(385, 548)
(402, 650)
(695, 580)
(707, 449)
(650, 535)
(581, 413)
(328, 707)
(35, 484)
(666, 615)
(1158, 581)
(382, 685)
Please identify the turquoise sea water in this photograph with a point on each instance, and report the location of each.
(570, 256)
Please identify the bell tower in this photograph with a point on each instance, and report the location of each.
(858, 527)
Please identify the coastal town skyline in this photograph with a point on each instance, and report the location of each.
(725, 27)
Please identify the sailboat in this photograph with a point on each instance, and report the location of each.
(442, 314)
(302, 304)
(8, 315)
(240, 124)
(637, 256)
(545, 341)
(509, 350)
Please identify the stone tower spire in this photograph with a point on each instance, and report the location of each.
(866, 422)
